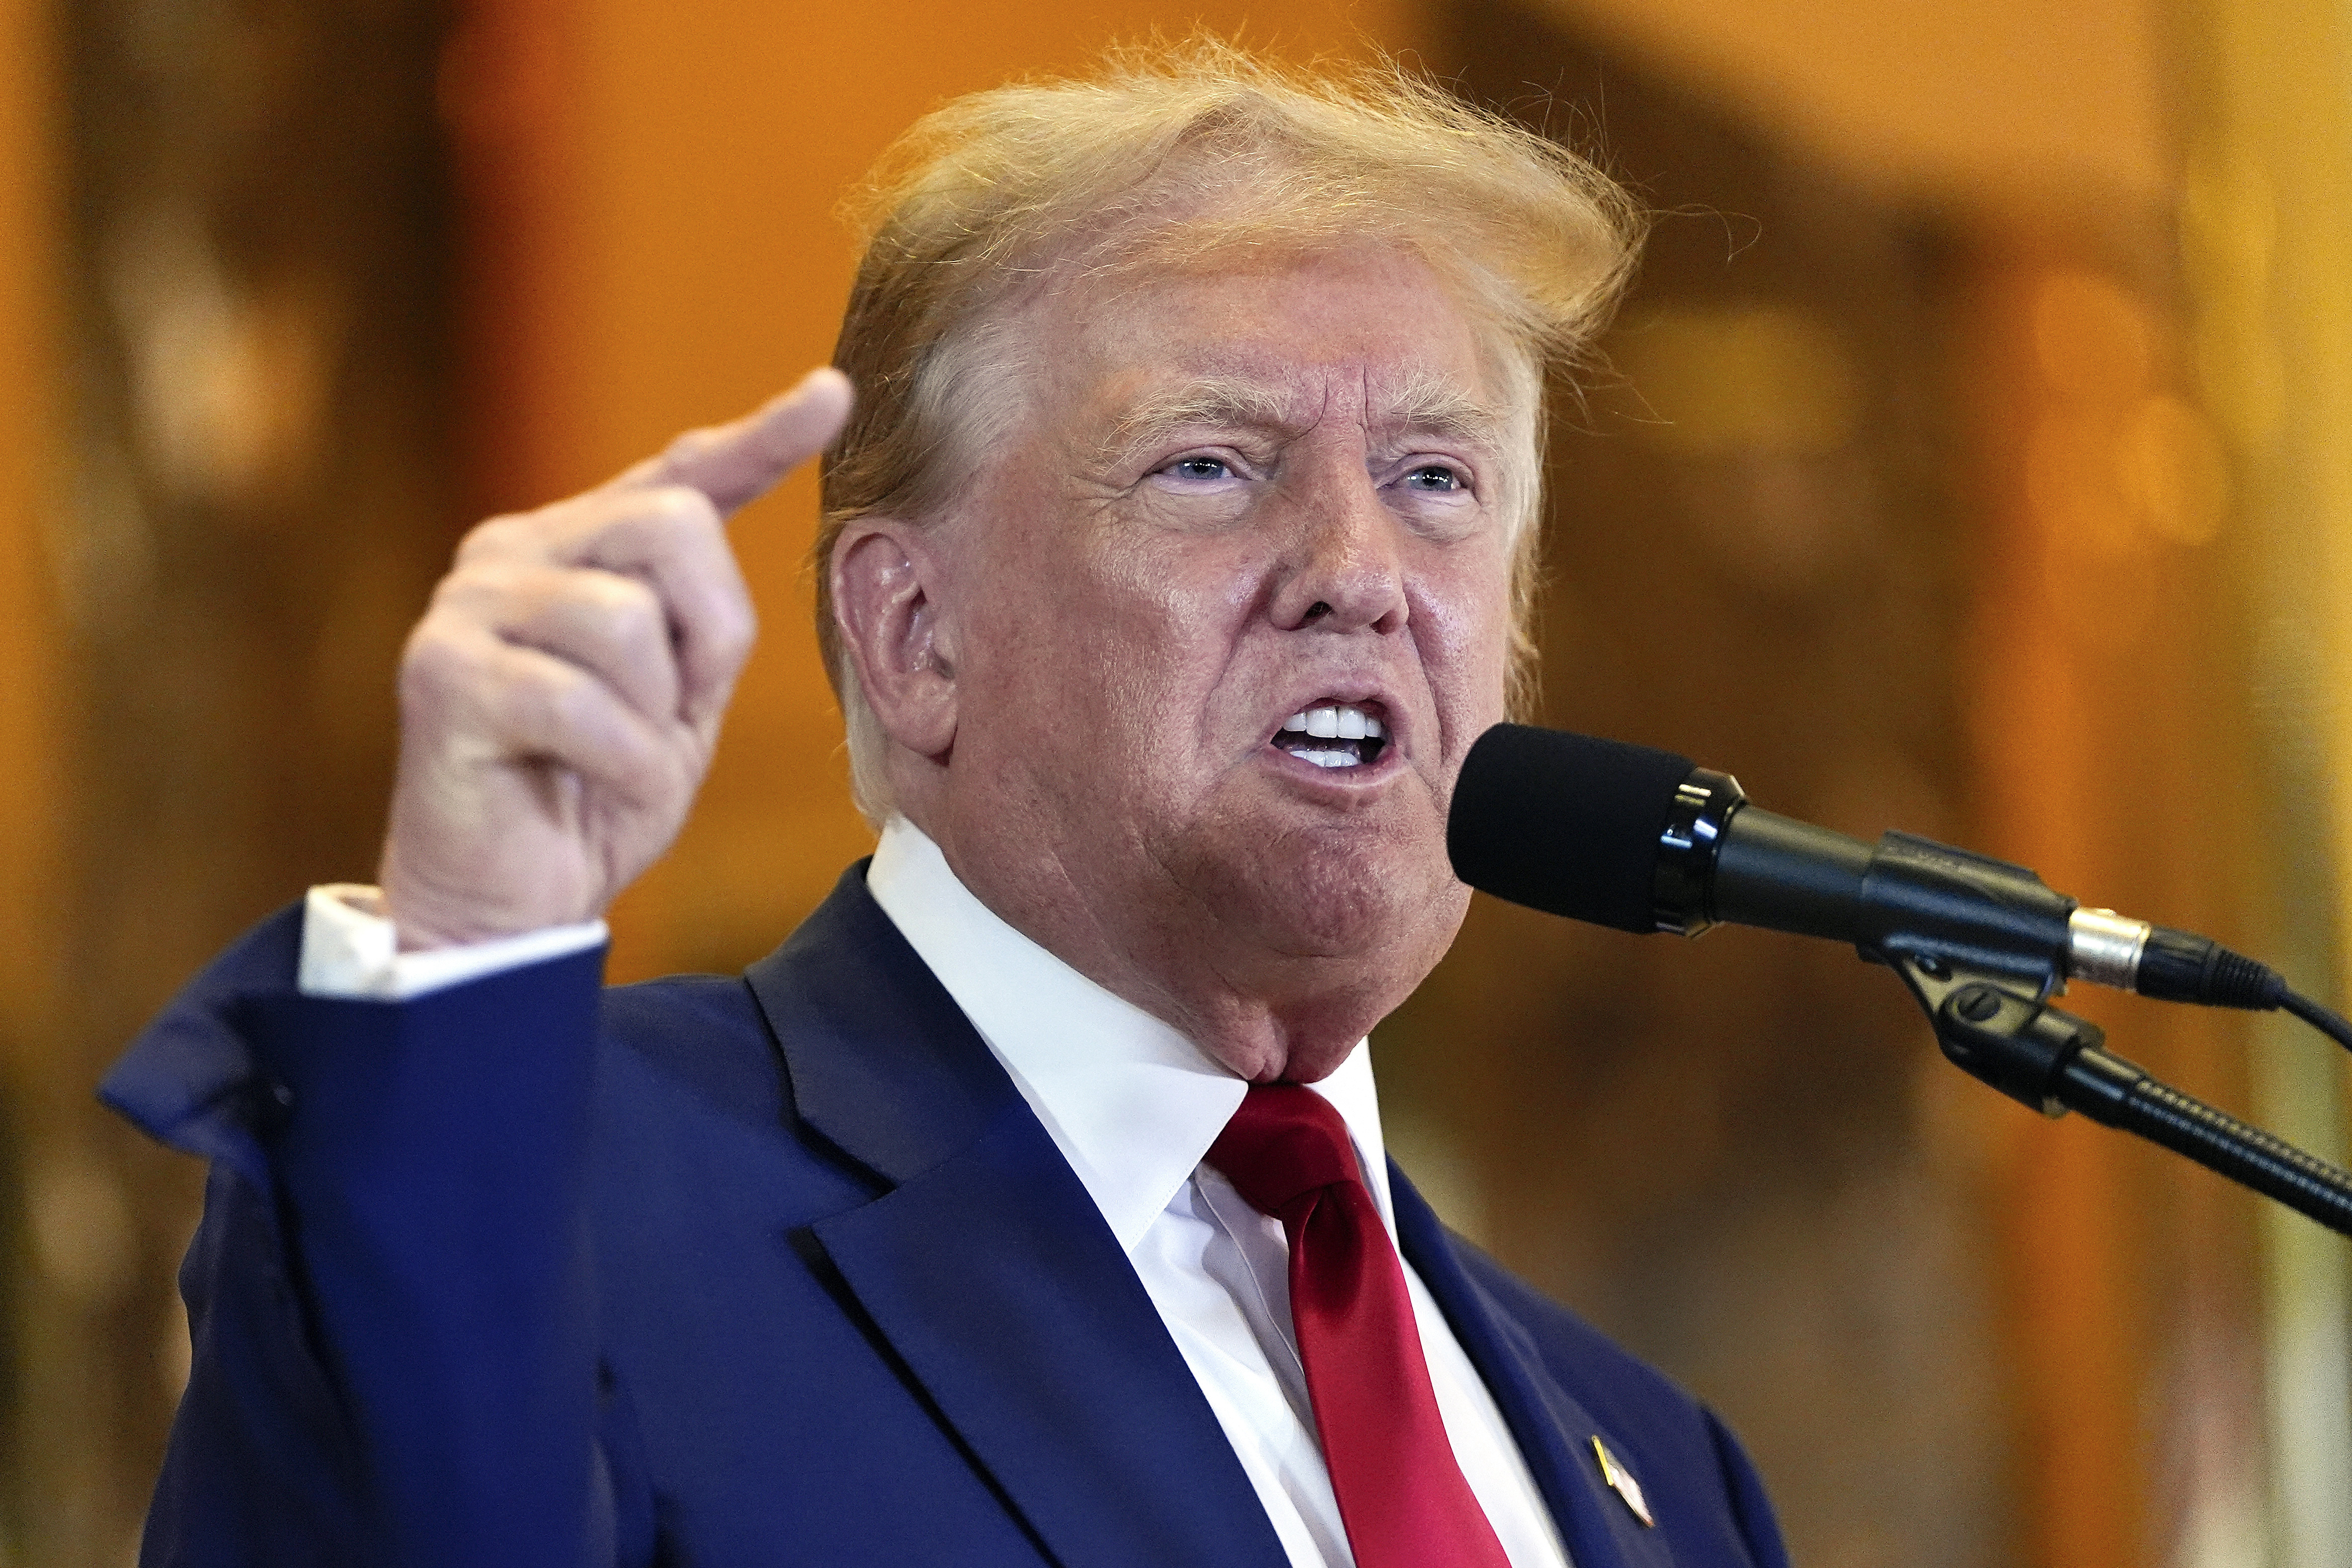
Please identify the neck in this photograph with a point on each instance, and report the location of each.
(1264, 1013)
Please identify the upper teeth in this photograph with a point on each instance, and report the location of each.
(1344, 722)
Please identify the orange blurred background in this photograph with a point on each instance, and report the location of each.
(1979, 462)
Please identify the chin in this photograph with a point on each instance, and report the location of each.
(1350, 900)
(1338, 911)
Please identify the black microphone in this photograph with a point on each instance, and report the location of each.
(1645, 840)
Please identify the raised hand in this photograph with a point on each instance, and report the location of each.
(560, 699)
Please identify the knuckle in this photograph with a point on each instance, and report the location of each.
(735, 628)
(571, 705)
(492, 536)
(437, 667)
(491, 596)
(617, 608)
(429, 652)
(680, 509)
(693, 445)
(538, 702)
(471, 580)
(616, 592)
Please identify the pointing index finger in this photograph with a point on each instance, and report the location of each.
(736, 464)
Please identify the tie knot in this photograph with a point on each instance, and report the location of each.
(1285, 1140)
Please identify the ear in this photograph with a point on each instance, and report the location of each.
(885, 602)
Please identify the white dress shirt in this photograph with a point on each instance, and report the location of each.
(1133, 1106)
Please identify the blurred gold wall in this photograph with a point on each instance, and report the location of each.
(2266, 251)
(31, 874)
(1986, 101)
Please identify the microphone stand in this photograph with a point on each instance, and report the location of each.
(1997, 1027)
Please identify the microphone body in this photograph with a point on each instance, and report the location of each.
(1645, 840)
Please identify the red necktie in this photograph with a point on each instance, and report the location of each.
(1401, 1496)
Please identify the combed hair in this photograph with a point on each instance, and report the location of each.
(1171, 158)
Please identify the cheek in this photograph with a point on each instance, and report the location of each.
(1173, 601)
(1100, 636)
(1167, 622)
(1464, 604)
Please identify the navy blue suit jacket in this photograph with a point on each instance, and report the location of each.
(759, 1270)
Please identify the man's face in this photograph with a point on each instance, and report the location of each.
(1235, 497)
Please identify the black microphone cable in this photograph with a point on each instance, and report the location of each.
(2326, 1020)
(2181, 966)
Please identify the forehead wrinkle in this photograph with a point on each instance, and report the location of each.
(1424, 403)
(1432, 405)
(1220, 401)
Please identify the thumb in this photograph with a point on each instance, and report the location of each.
(738, 463)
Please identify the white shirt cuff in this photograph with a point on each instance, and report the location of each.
(350, 951)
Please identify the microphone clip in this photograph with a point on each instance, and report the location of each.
(1967, 912)
(1997, 1027)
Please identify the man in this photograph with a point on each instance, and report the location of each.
(1172, 560)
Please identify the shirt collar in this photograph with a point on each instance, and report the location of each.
(1130, 1102)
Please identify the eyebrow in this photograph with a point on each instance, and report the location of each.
(1426, 405)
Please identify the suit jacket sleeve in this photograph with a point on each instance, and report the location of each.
(390, 1297)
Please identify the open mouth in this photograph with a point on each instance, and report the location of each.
(1338, 735)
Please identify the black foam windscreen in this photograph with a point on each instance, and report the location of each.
(1565, 823)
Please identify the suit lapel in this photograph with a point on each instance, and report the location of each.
(1554, 1432)
(986, 1266)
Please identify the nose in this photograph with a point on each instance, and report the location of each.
(1341, 570)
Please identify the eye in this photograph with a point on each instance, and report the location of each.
(1437, 478)
(1198, 467)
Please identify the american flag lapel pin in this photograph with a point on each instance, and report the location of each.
(1620, 1482)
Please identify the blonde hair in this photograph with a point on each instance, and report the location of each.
(1172, 157)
